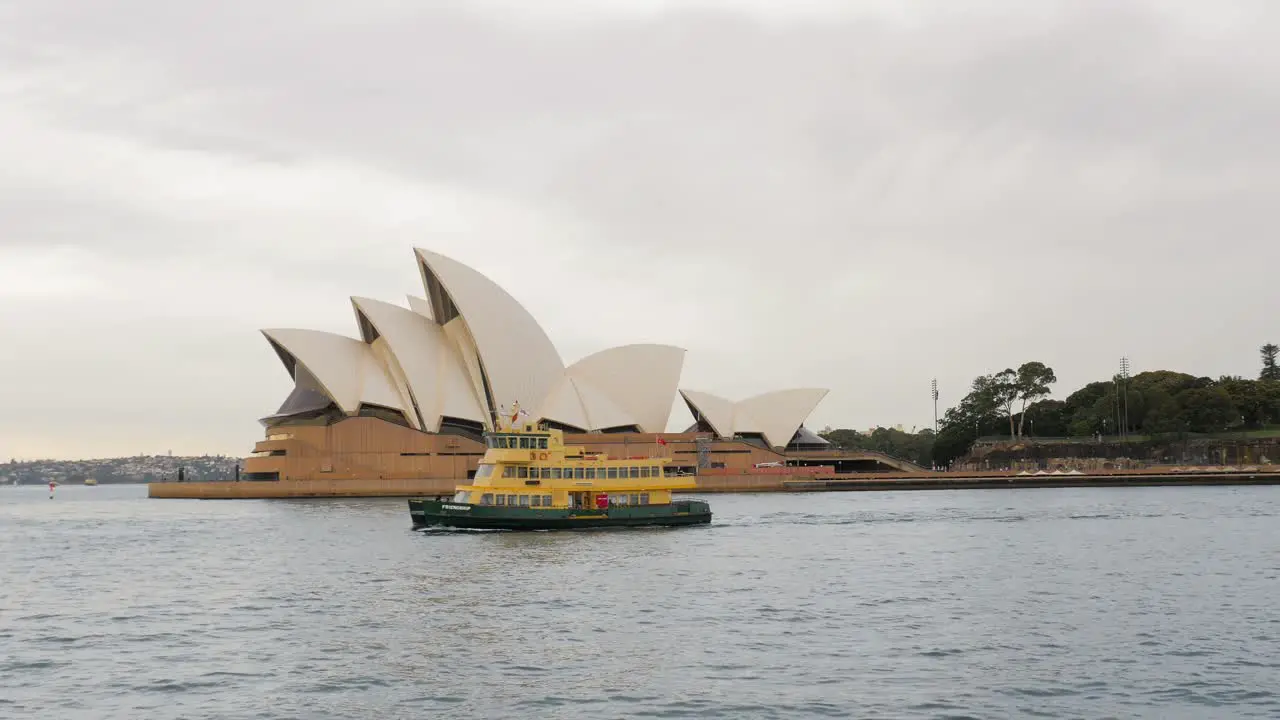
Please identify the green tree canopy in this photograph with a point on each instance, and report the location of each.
(1157, 402)
(1269, 369)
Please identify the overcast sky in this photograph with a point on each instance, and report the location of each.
(799, 193)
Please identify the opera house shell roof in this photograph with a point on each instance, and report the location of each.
(470, 352)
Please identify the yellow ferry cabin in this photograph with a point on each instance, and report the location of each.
(529, 479)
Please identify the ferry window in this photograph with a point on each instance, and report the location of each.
(509, 471)
(522, 472)
(568, 473)
(555, 473)
(644, 498)
(511, 499)
(635, 472)
(486, 499)
(524, 501)
(501, 500)
(542, 443)
(462, 497)
(484, 471)
(578, 473)
(591, 474)
(546, 473)
(644, 472)
(635, 499)
(613, 473)
(537, 501)
(546, 501)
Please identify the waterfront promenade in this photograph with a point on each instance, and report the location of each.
(819, 479)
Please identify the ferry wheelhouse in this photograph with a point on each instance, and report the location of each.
(529, 479)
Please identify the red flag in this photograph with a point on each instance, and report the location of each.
(661, 441)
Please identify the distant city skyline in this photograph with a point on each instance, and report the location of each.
(861, 197)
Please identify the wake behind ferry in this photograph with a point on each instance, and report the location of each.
(529, 479)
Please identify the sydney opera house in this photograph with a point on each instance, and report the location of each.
(407, 399)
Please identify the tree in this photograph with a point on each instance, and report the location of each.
(977, 413)
(1048, 418)
(1206, 410)
(1162, 413)
(1246, 397)
(1032, 383)
(1269, 369)
(1003, 388)
(916, 447)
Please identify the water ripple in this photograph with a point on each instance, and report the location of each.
(1058, 603)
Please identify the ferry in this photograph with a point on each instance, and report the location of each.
(529, 479)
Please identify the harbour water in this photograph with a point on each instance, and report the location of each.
(1058, 603)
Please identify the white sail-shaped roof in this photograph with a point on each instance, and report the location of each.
(776, 415)
(422, 306)
(602, 411)
(345, 368)
(470, 347)
(519, 361)
(564, 406)
(437, 383)
(578, 403)
(713, 409)
(641, 380)
(779, 414)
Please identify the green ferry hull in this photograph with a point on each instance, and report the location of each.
(429, 513)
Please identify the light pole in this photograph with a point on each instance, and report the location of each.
(1124, 379)
(934, 385)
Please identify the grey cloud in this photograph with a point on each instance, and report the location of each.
(899, 199)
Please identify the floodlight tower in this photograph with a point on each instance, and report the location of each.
(934, 385)
(1124, 379)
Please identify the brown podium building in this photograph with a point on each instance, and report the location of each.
(400, 410)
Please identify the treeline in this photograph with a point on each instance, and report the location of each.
(1014, 403)
(916, 447)
(1161, 402)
